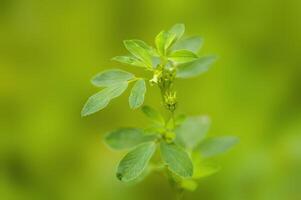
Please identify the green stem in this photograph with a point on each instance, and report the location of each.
(162, 95)
(173, 119)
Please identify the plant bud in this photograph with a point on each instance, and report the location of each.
(170, 99)
(169, 136)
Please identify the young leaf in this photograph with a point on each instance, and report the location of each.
(195, 68)
(203, 168)
(153, 115)
(192, 131)
(136, 98)
(189, 184)
(129, 60)
(177, 160)
(148, 48)
(217, 145)
(138, 49)
(135, 162)
(182, 56)
(192, 44)
(163, 41)
(176, 121)
(101, 99)
(125, 138)
(111, 77)
(180, 119)
(178, 30)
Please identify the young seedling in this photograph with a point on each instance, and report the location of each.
(185, 151)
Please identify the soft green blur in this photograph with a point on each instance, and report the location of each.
(50, 49)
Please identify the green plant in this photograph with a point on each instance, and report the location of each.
(181, 141)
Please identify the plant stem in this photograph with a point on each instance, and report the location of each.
(173, 119)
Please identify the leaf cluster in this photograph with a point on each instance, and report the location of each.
(172, 57)
(185, 151)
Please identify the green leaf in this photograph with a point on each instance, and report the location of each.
(142, 176)
(180, 119)
(181, 56)
(204, 168)
(177, 121)
(136, 98)
(101, 99)
(135, 162)
(163, 42)
(173, 179)
(192, 131)
(139, 50)
(160, 42)
(192, 44)
(145, 46)
(190, 185)
(125, 138)
(177, 160)
(178, 30)
(195, 68)
(153, 115)
(155, 61)
(129, 60)
(111, 77)
(217, 145)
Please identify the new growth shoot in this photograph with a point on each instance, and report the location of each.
(185, 151)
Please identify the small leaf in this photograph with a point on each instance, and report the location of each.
(136, 98)
(192, 44)
(160, 42)
(137, 48)
(169, 41)
(153, 115)
(125, 138)
(217, 145)
(180, 119)
(177, 160)
(204, 168)
(178, 30)
(129, 60)
(135, 162)
(155, 129)
(101, 99)
(177, 121)
(163, 41)
(195, 68)
(181, 56)
(111, 77)
(148, 48)
(190, 185)
(192, 131)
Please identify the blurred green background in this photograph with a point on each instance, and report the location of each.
(50, 49)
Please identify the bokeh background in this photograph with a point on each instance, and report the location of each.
(50, 49)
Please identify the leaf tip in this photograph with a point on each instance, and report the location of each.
(181, 25)
(83, 113)
(126, 42)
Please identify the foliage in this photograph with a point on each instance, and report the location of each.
(181, 140)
